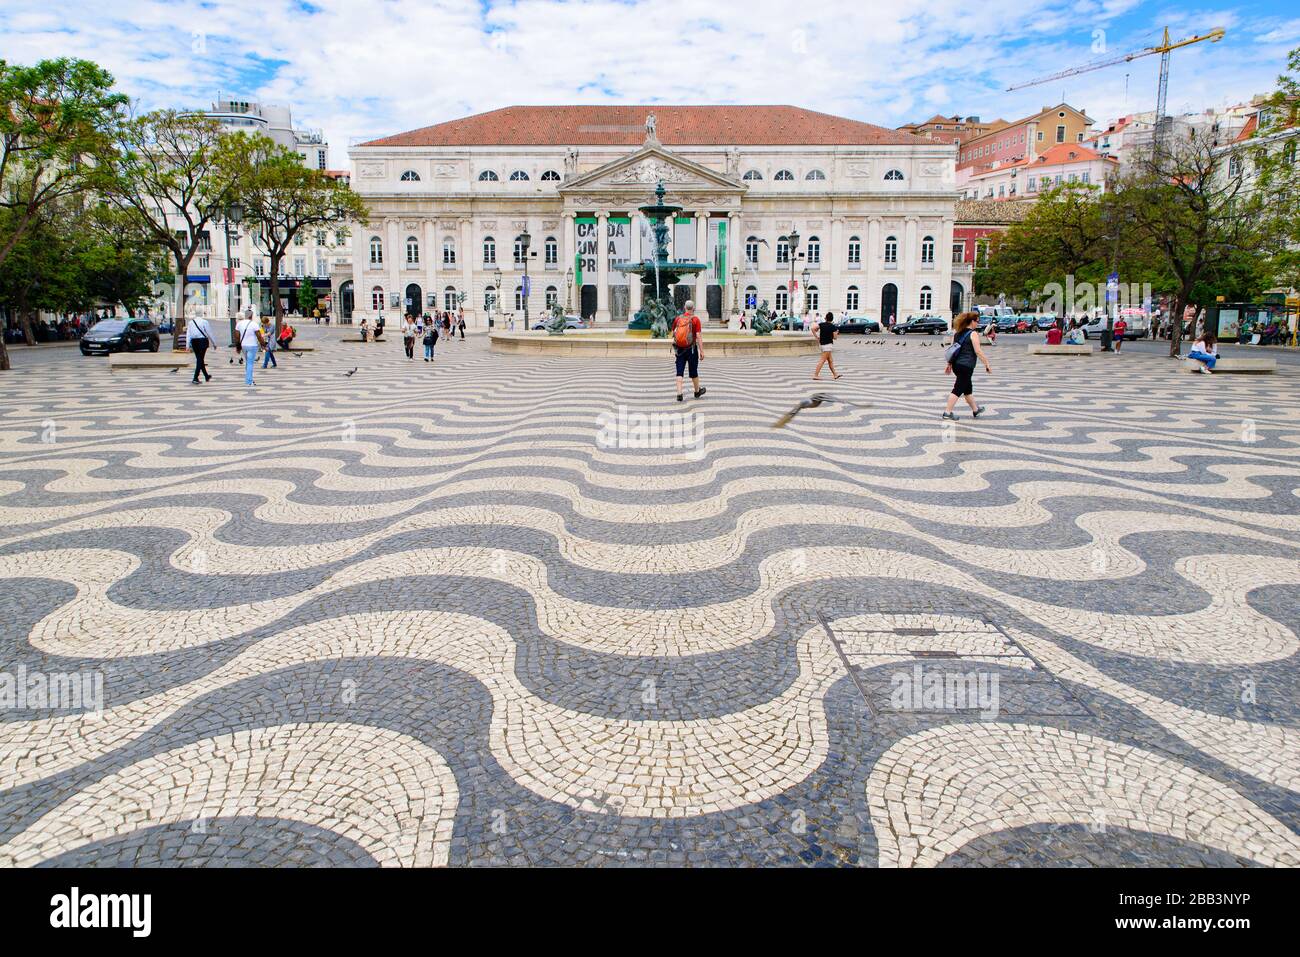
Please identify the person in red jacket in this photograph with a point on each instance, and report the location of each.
(1054, 336)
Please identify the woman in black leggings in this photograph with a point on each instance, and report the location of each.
(966, 337)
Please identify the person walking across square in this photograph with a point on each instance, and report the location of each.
(688, 348)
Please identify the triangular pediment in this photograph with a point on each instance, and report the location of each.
(642, 170)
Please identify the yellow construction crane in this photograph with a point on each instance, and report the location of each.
(1163, 48)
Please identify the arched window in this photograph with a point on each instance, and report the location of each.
(450, 299)
(815, 174)
(891, 249)
(376, 251)
(518, 176)
(410, 176)
(894, 176)
(551, 251)
(927, 251)
(783, 176)
(377, 299)
(489, 251)
(552, 297)
(751, 251)
(927, 299)
(752, 175)
(812, 299)
(782, 250)
(519, 298)
(1234, 166)
(449, 251)
(490, 299)
(782, 299)
(519, 250)
(550, 176)
(488, 176)
(412, 251)
(851, 299)
(855, 251)
(814, 251)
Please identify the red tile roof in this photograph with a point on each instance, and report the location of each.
(1249, 129)
(625, 126)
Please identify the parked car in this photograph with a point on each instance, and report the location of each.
(927, 324)
(788, 323)
(570, 322)
(1045, 322)
(1023, 323)
(1006, 323)
(857, 325)
(120, 335)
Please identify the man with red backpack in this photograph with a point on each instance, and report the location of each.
(688, 348)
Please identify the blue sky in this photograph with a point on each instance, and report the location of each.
(360, 69)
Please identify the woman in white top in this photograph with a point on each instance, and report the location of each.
(1205, 350)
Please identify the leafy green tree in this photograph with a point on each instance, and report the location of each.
(307, 297)
(1274, 154)
(1195, 214)
(169, 169)
(1062, 235)
(283, 198)
(55, 117)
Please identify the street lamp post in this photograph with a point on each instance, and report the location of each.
(568, 290)
(793, 240)
(735, 289)
(234, 215)
(496, 296)
(803, 277)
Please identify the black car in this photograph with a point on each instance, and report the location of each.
(927, 324)
(857, 325)
(120, 335)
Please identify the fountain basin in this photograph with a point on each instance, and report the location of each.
(619, 345)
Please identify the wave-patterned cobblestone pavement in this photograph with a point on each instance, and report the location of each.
(424, 615)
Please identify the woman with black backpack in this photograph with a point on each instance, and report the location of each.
(430, 338)
(962, 355)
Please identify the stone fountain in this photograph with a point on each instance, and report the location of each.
(658, 274)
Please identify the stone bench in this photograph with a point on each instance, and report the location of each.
(1043, 349)
(1259, 365)
(371, 339)
(150, 360)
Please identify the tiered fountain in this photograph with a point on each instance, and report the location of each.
(647, 330)
(660, 274)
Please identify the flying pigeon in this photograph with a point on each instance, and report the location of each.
(812, 402)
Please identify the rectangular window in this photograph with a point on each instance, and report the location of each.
(1032, 184)
(1085, 176)
(1060, 134)
(299, 266)
(958, 252)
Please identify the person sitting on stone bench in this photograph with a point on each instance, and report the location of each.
(1205, 350)
(1053, 336)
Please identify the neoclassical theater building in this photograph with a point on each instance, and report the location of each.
(805, 210)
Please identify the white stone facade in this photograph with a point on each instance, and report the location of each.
(444, 219)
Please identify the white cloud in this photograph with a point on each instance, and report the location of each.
(367, 69)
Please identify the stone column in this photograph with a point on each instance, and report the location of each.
(910, 254)
(466, 284)
(572, 294)
(943, 259)
(602, 270)
(432, 255)
(396, 257)
(871, 258)
(735, 245)
(701, 255)
(837, 252)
